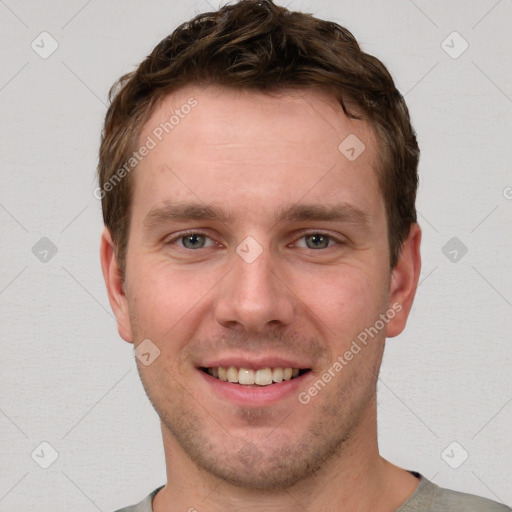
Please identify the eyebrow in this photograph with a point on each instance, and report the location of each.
(342, 212)
(183, 211)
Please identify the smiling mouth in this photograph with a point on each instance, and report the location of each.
(249, 377)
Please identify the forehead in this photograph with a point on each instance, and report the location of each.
(219, 144)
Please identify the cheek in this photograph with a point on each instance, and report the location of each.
(165, 303)
(346, 301)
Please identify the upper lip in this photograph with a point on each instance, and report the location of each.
(253, 362)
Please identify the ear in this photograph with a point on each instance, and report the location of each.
(115, 286)
(404, 281)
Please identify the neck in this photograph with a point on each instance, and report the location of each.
(356, 478)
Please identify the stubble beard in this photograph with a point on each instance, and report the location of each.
(269, 462)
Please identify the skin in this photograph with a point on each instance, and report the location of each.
(254, 156)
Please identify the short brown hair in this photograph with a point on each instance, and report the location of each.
(257, 45)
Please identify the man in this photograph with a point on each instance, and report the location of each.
(258, 176)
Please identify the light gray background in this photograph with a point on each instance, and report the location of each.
(66, 376)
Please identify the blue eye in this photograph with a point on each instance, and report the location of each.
(316, 241)
(193, 241)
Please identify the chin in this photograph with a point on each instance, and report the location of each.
(264, 464)
(253, 470)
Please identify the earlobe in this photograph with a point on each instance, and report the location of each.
(115, 286)
(404, 281)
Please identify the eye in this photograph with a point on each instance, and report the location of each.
(192, 240)
(316, 241)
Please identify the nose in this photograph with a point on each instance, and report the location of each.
(254, 296)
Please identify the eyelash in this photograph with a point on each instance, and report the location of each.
(308, 232)
(302, 234)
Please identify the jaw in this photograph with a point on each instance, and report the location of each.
(271, 447)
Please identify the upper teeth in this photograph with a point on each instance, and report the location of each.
(246, 376)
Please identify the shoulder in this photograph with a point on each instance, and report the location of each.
(446, 499)
(143, 506)
(429, 497)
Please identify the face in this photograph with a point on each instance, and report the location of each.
(258, 251)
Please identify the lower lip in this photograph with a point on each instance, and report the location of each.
(254, 395)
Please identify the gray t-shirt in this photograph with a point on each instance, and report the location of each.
(428, 497)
